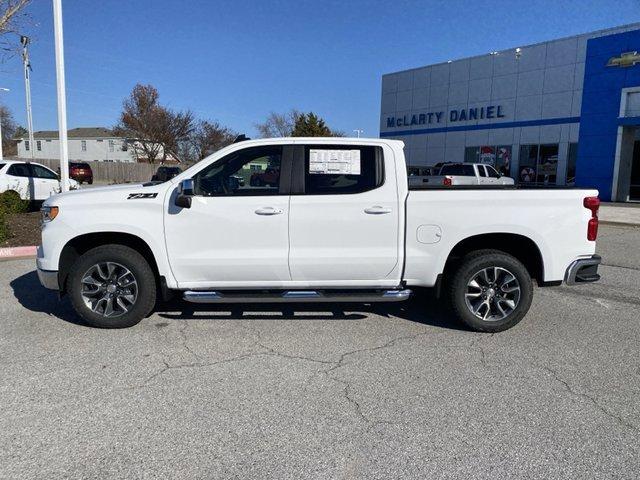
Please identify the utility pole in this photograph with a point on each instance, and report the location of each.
(24, 40)
(1, 157)
(358, 132)
(62, 98)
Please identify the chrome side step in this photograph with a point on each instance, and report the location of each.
(297, 296)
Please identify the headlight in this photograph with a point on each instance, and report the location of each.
(49, 213)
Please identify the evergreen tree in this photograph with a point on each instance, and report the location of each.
(310, 125)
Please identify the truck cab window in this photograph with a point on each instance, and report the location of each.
(342, 169)
(250, 172)
(481, 171)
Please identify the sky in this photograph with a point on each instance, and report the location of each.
(236, 61)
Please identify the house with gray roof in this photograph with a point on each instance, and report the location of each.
(97, 144)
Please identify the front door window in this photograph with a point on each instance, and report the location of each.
(249, 172)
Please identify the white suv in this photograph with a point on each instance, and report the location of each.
(31, 181)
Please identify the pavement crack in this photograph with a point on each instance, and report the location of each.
(590, 400)
(348, 387)
(390, 343)
(185, 341)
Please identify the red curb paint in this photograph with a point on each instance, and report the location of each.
(16, 252)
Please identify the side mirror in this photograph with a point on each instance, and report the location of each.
(185, 192)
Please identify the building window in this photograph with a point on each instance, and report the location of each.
(112, 145)
(538, 164)
(528, 162)
(548, 164)
(26, 145)
(571, 163)
(498, 156)
(83, 145)
(38, 145)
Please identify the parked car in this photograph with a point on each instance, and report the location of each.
(346, 231)
(165, 173)
(81, 172)
(30, 180)
(451, 174)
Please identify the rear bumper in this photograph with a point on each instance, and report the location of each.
(48, 279)
(583, 270)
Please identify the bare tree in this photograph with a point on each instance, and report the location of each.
(12, 19)
(278, 124)
(208, 137)
(153, 131)
(9, 128)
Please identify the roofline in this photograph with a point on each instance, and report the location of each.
(596, 33)
(68, 138)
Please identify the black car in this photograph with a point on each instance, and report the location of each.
(165, 173)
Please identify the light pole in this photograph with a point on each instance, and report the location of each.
(62, 99)
(358, 132)
(24, 40)
(1, 156)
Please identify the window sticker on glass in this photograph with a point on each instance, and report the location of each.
(332, 162)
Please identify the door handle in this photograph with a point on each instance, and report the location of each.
(377, 210)
(268, 211)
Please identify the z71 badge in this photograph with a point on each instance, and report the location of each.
(133, 196)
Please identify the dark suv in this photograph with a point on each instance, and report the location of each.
(165, 173)
(81, 172)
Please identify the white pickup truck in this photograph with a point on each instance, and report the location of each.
(333, 221)
(453, 174)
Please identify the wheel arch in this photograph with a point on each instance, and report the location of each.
(519, 246)
(81, 244)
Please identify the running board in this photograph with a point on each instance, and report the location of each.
(297, 296)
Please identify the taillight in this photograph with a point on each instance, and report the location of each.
(593, 204)
(446, 181)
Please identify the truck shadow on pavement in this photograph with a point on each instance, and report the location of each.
(425, 309)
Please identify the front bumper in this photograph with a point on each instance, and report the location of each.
(48, 279)
(583, 270)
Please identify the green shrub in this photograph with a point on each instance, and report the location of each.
(11, 202)
(4, 230)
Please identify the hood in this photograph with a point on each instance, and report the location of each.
(108, 194)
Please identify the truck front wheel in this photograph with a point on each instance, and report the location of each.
(112, 286)
(490, 291)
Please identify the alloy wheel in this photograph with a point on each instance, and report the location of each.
(492, 294)
(109, 289)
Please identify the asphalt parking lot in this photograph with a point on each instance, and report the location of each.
(391, 391)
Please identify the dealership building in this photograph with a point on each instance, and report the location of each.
(563, 112)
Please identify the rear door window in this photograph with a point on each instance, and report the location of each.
(481, 171)
(19, 170)
(342, 169)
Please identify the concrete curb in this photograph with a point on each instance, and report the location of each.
(12, 253)
(619, 224)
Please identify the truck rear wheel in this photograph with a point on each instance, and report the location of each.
(112, 286)
(490, 291)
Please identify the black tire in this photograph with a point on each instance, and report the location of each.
(131, 260)
(496, 298)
